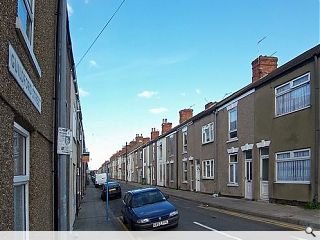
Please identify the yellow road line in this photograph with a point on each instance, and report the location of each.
(258, 219)
(122, 224)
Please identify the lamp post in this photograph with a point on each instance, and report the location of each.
(126, 167)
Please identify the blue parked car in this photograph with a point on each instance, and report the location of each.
(148, 209)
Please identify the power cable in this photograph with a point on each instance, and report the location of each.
(104, 27)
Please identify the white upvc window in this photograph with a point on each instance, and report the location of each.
(25, 16)
(293, 96)
(233, 169)
(21, 157)
(185, 171)
(233, 123)
(293, 166)
(208, 169)
(160, 151)
(184, 141)
(208, 133)
(172, 171)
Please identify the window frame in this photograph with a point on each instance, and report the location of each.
(20, 180)
(235, 171)
(229, 124)
(28, 43)
(184, 141)
(291, 159)
(184, 171)
(291, 88)
(209, 126)
(205, 163)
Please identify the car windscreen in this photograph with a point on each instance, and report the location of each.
(144, 198)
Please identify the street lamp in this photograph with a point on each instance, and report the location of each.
(126, 168)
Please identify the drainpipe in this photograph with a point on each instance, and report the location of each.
(216, 177)
(56, 114)
(177, 163)
(317, 130)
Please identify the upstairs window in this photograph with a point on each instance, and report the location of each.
(207, 133)
(233, 123)
(293, 96)
(25, 16)
(185, 141)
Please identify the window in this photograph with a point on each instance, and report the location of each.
(184, 141)
(171, 171)
(233, 122)
(171, 146)
(233, 168)
(293, 96)
(208, 169)
(293, 166)
(25, 16)
(207, 133)
(160, 151)
(21, 178)
(185, 171)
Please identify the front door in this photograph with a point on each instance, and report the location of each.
(264, 173)
(197, 174)
(248, 181)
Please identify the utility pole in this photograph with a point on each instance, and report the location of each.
(61, 189)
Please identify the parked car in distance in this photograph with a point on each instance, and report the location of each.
(114, 190)
(148, 209)
(100, 179)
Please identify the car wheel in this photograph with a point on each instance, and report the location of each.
(124, 220)
(132, 226)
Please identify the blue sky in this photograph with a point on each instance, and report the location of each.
(157, 57)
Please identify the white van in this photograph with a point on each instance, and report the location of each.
(101, 178)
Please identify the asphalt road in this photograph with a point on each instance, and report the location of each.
(194, 217)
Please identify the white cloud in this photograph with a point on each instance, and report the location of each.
(147, 94)
(158, 110)
(198, 91)
(83, 93)
(183, 94)
(93, 63)
(70, 9)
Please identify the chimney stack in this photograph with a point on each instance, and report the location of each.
(145, 140)
(154, 134)
(166, 126)
(185, 114)
(262, 66)
(139, 138)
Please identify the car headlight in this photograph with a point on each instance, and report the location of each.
(145, 220)
(174, 213)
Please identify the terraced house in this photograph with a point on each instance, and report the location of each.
(260, 143)
(29, 111)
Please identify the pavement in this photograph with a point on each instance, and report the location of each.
(279, 212)
(93, 216)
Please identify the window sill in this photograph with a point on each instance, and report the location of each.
(297, 182)
(185, 182)
(233, 185)
(232, 140)
(204, 143)
(277, 116)
(27, 45)
(207, 178)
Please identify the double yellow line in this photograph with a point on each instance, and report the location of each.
(258, 219)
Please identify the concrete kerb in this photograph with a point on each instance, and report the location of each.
(300, 222)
